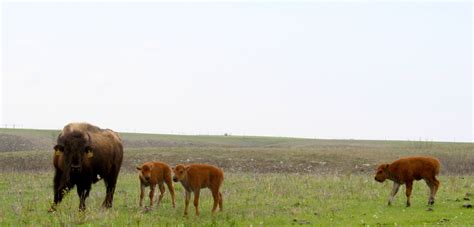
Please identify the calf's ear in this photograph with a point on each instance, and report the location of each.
(186, 168)
(139, 168)
(385, 166)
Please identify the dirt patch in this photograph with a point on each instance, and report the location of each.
(21, 143)
(31, 150)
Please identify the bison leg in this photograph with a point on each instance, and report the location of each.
(110, 183)
(187, 197)
(215, 196)
(220, 202)
(394, 191)
(196, 200)
(162, 192)
(59, 191)
(433, 184)
(83, 193)
(409, 186)
(169, 183)
(152, 193)
(436, 184)
(142, 193)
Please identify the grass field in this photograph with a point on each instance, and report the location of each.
(269, 181)
(249, 199)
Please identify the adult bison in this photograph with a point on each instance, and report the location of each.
(406, 170)
(84, 154)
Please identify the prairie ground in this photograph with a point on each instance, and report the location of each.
(249, 199)
(269, 181)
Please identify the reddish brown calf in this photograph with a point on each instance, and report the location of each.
(151, 174)
(406, 170)
(196, 176)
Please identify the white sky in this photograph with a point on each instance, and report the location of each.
(360, 70)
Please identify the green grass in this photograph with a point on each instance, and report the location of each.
(249, 199)
(269, 181)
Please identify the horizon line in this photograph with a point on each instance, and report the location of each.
(265, 136)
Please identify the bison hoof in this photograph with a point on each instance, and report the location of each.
(431, 202)
(389, 203)
(408, 204)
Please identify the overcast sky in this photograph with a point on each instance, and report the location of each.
(349, 70)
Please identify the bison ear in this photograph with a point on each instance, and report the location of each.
(89, 152)
(186, 168)
(139, 168)
(385, 166)
(59, 148)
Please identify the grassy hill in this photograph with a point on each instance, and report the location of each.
(28, 150)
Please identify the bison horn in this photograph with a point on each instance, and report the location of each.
(88, 139)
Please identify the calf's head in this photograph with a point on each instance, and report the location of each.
(180, 172)
(381, 173)
(76, 149)
(145, 171)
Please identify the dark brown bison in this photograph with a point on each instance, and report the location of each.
(84, 154)
(406, 170)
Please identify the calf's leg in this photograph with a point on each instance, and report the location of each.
(162, 192)
(187, 197)
(142, 193)
(394, 191)
(220, 202)
(215, 196)
(169, 183)
(152, 193)
(409, 186)
(196, 200)
(434, 185)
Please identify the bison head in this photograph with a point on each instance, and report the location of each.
(75, 148)
(145, 171)
(382, 173)
(180, 172)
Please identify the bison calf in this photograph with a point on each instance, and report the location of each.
(151, 174)
(196, 176)
(405, 170)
